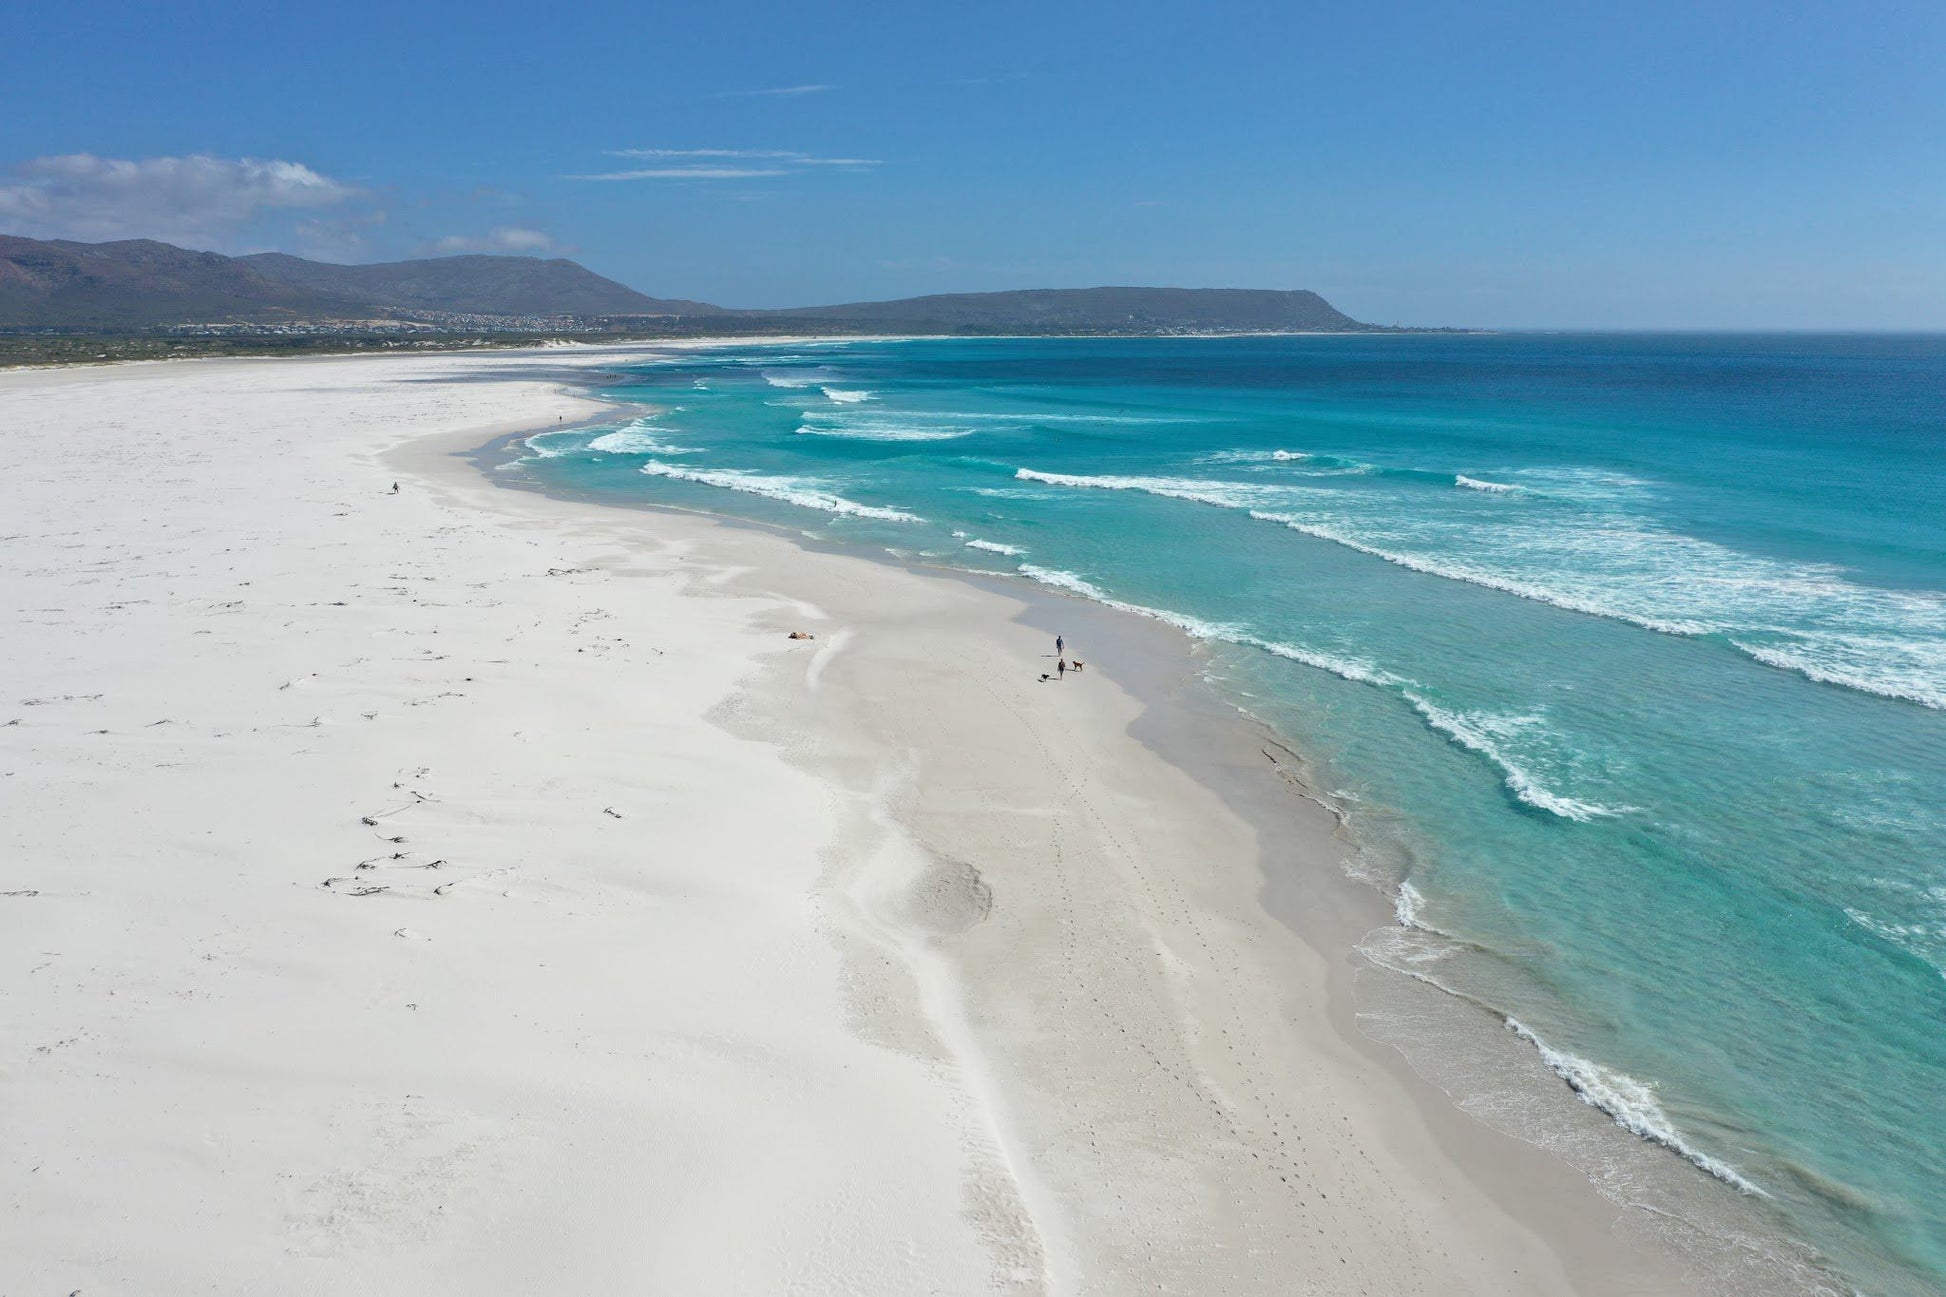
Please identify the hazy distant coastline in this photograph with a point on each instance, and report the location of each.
(62, 300)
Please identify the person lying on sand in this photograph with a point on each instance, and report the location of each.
(801, 634)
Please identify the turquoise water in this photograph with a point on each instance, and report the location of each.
(1627, 654)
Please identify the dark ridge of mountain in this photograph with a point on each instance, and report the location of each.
(107, 286)
(472, 285)
(139, 283)
(1091, 310)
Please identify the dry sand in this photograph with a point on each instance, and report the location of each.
(467, 891)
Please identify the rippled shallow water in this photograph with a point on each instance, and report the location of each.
(1627, 655)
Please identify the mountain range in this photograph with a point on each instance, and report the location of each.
(139, 284)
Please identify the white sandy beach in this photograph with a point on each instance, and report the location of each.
(468, 891)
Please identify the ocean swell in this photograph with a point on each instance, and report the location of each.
(1625, 569)
(638, 438)
(790, 490)
(1630, 1103)
(1488, 736)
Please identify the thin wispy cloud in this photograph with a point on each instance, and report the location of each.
(685, 173)
(774, 91)
(779, 156)
(723, 164)
(516, 239)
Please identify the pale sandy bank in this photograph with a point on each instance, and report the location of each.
(465, 891)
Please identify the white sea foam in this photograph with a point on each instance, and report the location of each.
(1354, 669)
(1224, 495)
(1481, 484)
(1080, 585)
(1024, 417)
(639, 438)
(1925, 940)
(1068, 581)
(552, 445)
(881, 431)
(1460, 570)
(995, 547)
(1910, 669)
(1489, 735)
(1407, 905)
(1630, 1103)
(1623, 569)
(1610, 563)
(790, 490)
(1257, 457)
(846, 396)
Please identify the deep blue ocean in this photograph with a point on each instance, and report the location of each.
(1626, 654)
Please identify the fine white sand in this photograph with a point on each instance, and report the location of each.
(467, 891)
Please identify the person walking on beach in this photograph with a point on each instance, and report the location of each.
(1062, 668)
(1060, 646)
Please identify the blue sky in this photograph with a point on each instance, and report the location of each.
(1508, 165)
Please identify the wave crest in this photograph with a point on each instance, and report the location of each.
(880, 431)
(789, 490)
(1488, 736)
(638, 438)
(1630, 1103)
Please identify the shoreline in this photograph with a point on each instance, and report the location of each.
(1519, 1127)
(1071, 948)
(564, 342)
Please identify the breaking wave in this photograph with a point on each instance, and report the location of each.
(1080, 585)
(1488, 736)
(1485, 735)
(790, 490)
(1624, 568)
(639, 438)
(1224, 495)
(881, 432)
(551, 445)
(1630, 1103)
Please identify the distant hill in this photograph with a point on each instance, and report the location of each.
(139, 283)
(111, 286)
(478, 285)
(1094, 310)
